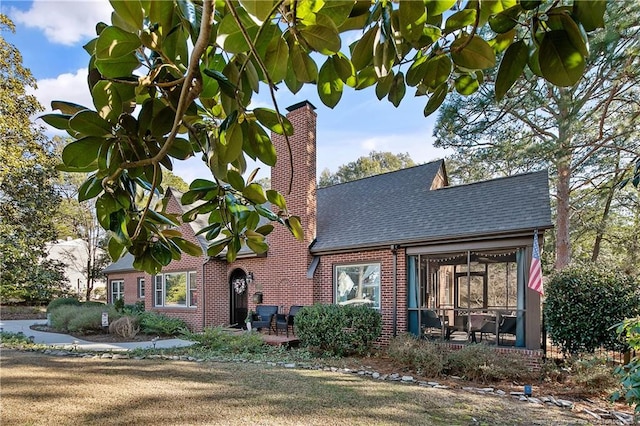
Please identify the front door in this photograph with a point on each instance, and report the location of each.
(238, 298)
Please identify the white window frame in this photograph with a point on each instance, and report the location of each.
(160, 289)
(141, 288)
(341, 286)
(116, 294)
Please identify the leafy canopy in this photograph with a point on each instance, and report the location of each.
(195, 100)
(373, 164)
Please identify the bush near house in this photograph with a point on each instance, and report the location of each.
(155, 323)
(81, 318)
(583, 305)
(216, 339)
(62, 301)
(338, 330)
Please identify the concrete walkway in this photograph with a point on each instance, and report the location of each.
(66, 341)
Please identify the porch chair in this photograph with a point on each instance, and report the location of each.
(429, 320)
(284, 321)
(481, 323)
(507, 326)
(263, 317)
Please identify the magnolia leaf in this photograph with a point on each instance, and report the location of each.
(89, 123)
(181, 149)
(259, 9)
(122, 66)
(130, 11)
(265, 212)
(292, 82)
(235, 180)
(187, 246)
(511, 67)
(115, 42)
(115, 249)
(338, 11)
(530, 4)
(329, 84)
(575, 31)
(362, 52)
(502, 41)
(254, 193)
(476, 53)
(506, 20)
(590, 13)
(324, 39)
(67, 107)
(304, 68)
(561, 63)
(107, 100)
(397, 90)
(257, 246)
(276, 198)
(82, 152)
(269, 119)
(437, 71)
(218, 246)
(466, 84)
(384, 85)
(367, 77)
(493, 7)
(293, 223)
(59, 121)
(261, 145)
(265, 229)
(412, 17)
(345, 69)
(460, 19)
(436, 99)
(230, 36)
(229, 143)
(438, 7)
(417, 70)
(276, 58)
(92, 187)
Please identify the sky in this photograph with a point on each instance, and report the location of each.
(50, 35)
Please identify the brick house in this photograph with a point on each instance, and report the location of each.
(402, 242)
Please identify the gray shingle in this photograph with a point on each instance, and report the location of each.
(399, 207)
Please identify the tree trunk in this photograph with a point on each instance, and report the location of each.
(563, 245)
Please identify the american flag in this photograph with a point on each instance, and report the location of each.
(535, 271)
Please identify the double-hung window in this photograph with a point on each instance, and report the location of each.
(176, 289)
(357, 284)
(117, 290)
(141, 288)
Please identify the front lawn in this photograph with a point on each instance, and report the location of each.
(40, 389)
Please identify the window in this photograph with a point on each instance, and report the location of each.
(358, 284)
(141, 288)
(117, 290)
(176, 289)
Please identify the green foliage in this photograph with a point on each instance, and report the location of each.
(155, 323)
(576, 317)
(593, 373)
(424, 357)
(219, 340)
(483, 363)
(135, 309)
(82, 318)
(373, 164)
(338, 330)
(142, 64)
(118, 304)
(13, 339)
(629, 374)
(62, 301)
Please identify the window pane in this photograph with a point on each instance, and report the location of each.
(193, 287)
(140, 287)
(175, 289)
(358, 284)
(158, 281)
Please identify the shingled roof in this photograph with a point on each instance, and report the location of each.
(400, 208)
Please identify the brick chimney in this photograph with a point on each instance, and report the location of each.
(294, 176)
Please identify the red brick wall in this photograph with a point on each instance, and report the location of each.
(130, 286)
(324, 284)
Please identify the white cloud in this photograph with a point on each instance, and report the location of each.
(65, 22)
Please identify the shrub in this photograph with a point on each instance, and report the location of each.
(88, 319)
(155, 323)
(93, 304)
(629, 374)
(338, 330)
(424, 357)
(61, 302)
(119, 304)
(135, 309)
(12, 339)
(483, 363)
(575, 315)
(126, 327)
(593, 374)
(80, 319)
(218, 340)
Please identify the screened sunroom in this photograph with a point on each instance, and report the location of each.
(478, 294)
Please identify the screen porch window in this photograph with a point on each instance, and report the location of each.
(141, 288)
(176, 289)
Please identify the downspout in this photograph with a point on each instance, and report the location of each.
(204, 304)
(394, 250)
